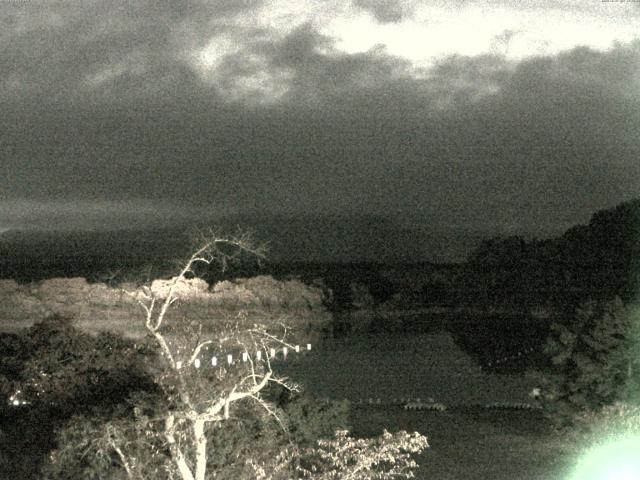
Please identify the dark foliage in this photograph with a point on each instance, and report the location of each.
(596, 361)
(61, 368)
(250, 435)
(75, 384)
(59, 372)
(594, 261)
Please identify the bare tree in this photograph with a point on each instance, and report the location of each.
(171, 432)
(197, 396)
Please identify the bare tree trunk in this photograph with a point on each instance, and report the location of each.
(124, 460)
(176, 453)
(201, 448)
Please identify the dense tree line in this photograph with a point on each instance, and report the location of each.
(595, 261)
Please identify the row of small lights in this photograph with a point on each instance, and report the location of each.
(285, 351)
(16, 401)
(245, 356)
(512, 357)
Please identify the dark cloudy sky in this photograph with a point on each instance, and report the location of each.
(522, 114)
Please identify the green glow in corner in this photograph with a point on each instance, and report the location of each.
(618, 460)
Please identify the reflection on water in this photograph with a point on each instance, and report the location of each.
(393, 366)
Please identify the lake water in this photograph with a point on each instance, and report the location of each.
(388, 367)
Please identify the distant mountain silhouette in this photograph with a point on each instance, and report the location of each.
(605, 251)
(307, 238)
(355, 238)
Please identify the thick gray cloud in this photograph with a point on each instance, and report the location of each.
(104, 103)
(385, 10)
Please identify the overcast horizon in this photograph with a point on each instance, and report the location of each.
(492, 116)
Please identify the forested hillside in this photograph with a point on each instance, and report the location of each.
(597, 260)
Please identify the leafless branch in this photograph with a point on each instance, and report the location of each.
(269, 410)
(116, 447)
(197, 350)
(264, 333)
